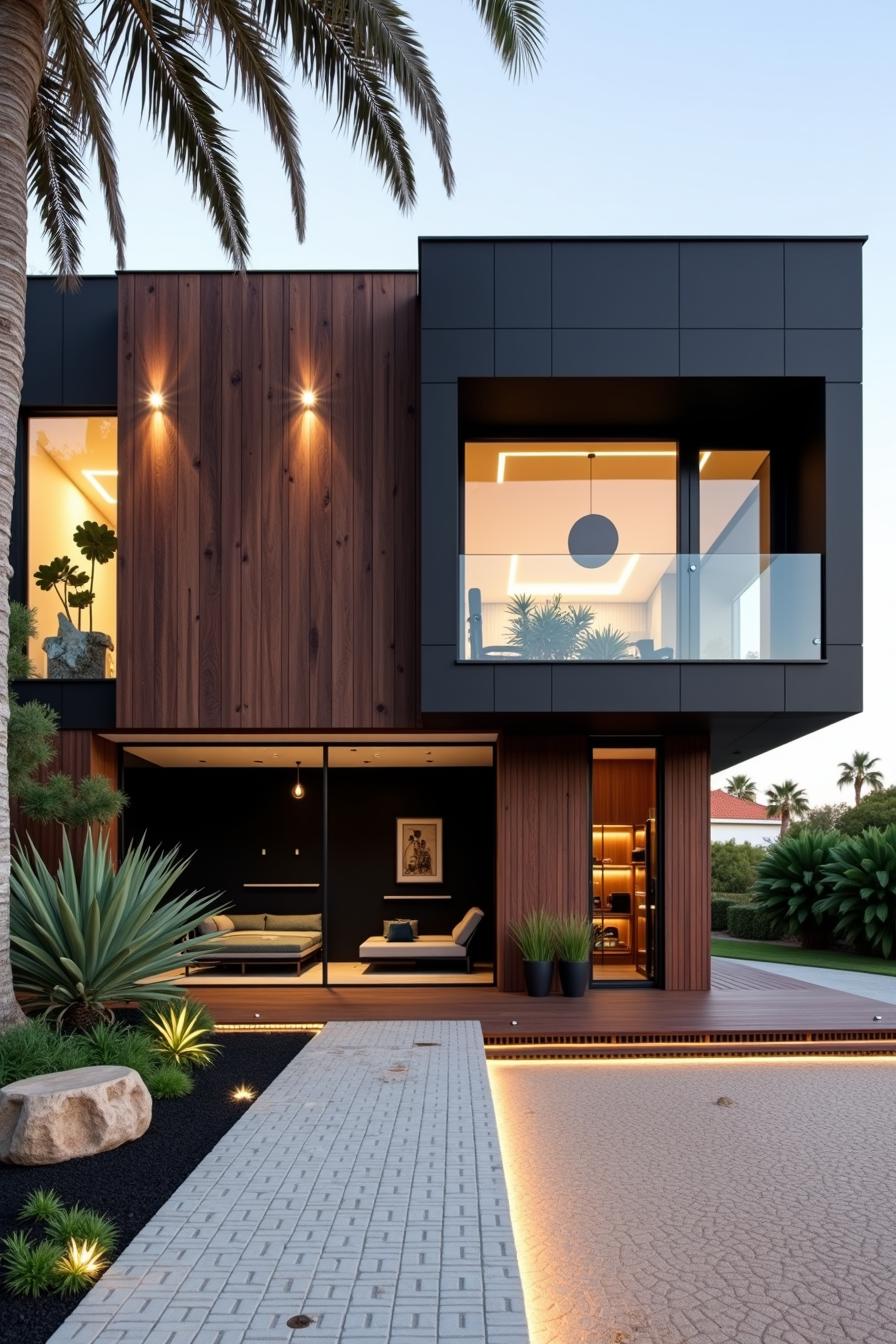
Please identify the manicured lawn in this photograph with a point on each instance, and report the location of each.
(788, 955)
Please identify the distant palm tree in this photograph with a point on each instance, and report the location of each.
(787, 801)
(60, 60)
(859, 771)
(741, 786)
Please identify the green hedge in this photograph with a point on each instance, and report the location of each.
(750, 921)
(719, 907)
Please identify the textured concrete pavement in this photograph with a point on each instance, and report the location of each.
(647, 1213)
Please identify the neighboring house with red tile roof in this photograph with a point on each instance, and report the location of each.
(736, 819)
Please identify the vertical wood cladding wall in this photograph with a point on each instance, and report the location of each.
(686, 886)
(543, 840)
(77, 754)
(268, 562)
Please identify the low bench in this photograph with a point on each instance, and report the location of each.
(454, 946)
(257, 938)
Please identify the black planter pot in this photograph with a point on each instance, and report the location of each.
(538, 977)
(575, 977)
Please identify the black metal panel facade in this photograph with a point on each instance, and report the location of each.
(519, 315)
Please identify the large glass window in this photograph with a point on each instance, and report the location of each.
(570, 550)
(72, 544)
(735, 546)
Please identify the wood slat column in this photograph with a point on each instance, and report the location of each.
(543, 836)
(686, 884)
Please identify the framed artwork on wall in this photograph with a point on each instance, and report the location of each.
(418, 849)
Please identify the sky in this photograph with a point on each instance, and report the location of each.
(647, 117)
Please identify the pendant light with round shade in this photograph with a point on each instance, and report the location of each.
(298, 789)
(593, 538)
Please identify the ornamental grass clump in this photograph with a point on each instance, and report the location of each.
(573, 938)
(180, 1035)
(535, 935)
(861, 874)
(83, 940)
(72, 1251)
(791, 881)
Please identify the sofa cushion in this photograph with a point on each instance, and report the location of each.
(261, 943)
(400, 931)
(428, 947)
(294, 923)
(216, 924)
(255, 922)
(414, 923)
(465, 928)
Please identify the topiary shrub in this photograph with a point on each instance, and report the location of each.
(751, 921)
(790, 882)
(733, 866)
(861, 873)
(719, 912)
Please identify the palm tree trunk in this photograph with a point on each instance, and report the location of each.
(785, 819)
(21, 61)
(859, 783)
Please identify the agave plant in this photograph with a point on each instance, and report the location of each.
(861, 873)
(547, 632)
(604, 645)
(791, 880)
(84, 940)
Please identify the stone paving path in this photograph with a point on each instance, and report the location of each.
(364, 1189)
(864, 983)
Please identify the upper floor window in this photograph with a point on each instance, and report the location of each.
(72, 544)
(570, 549)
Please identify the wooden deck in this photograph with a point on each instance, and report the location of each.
(746, 1012)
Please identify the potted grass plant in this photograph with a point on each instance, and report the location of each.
(573, 939)
(535, 937)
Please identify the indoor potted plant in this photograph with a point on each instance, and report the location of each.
(74, 653)
(535, 936)
(573, 938)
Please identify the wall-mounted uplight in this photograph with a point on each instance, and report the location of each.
(308, 398)
(298, 789)
(156, 401)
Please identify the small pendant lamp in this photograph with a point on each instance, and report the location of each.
(593, 538)
(298, 789)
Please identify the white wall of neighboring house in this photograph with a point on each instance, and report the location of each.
(751, 832)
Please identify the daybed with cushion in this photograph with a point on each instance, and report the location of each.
(406, 945)
(245, 938)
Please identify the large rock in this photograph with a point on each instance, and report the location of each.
(56, 1116)
(76, 655)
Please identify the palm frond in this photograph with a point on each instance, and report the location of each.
(72, 47)
(383, 30)
(56, 172)
(152, 39)
(330, 54)
(516, 28)
(252, 69)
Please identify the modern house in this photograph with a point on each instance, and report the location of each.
(448, 589)
(740, 820)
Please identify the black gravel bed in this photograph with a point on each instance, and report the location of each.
(130, 1183)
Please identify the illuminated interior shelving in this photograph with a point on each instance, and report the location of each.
(617, 886)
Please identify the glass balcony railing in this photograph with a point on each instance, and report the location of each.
(692, 608)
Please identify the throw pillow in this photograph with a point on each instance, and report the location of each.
(414, 923)
(400, 931)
